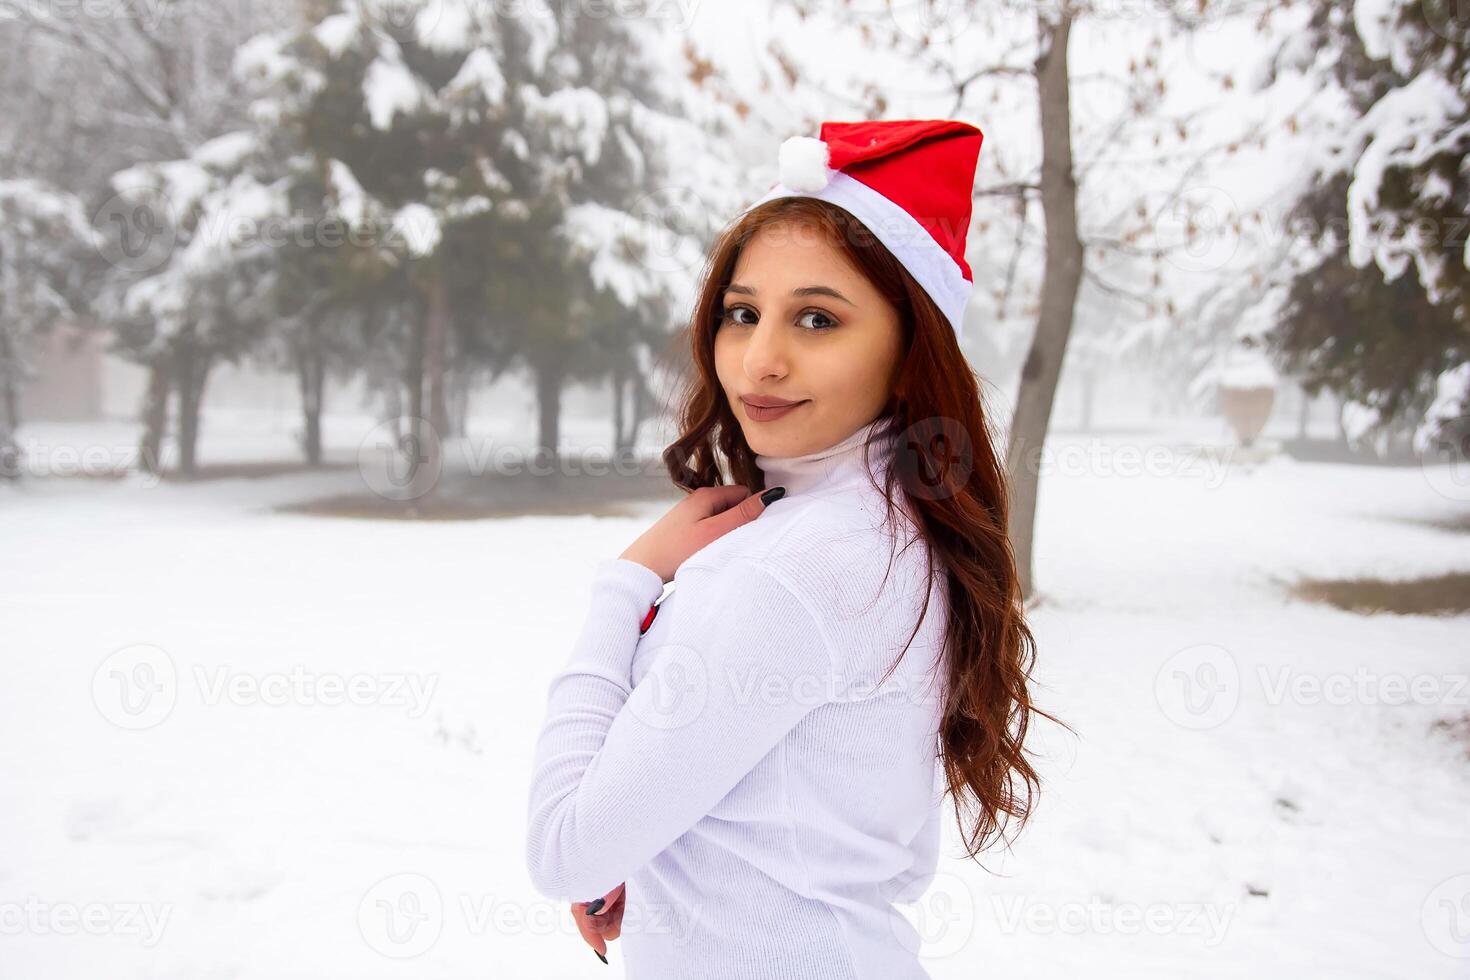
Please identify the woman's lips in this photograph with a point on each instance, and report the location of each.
(759, 414)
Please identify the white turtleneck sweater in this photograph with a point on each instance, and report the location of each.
(736, 765)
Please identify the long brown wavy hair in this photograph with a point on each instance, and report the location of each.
(953, 485)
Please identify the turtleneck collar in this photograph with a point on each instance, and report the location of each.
(839, 465)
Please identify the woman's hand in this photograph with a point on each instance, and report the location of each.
(694, 522)
(607, 923)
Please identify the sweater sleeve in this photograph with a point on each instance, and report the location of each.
(621, 772)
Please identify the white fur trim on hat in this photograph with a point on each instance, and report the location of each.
(900, 232)
(803, 164)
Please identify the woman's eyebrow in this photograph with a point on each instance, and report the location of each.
(735, 287)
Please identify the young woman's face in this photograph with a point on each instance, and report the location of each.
(803, 325)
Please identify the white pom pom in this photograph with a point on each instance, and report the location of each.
(803, 164)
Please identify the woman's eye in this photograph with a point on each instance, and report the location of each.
(732, 316)
(824, 322)
(810, 319)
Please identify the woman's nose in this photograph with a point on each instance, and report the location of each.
(766, 353)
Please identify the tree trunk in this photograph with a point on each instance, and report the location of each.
(10, 373)
(393, 412)
(420, 434)
(9, 409)
(640, 405)
(1060, 280)
(311, 377)
(619, 398)
(548, 404)
(191, 371)
(435, 342)
(459, 401)
(155, 417)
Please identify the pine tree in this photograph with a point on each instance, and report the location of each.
(1389, 196)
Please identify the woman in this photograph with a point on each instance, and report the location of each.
(748, 774)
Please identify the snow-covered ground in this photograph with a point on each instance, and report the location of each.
(236, 743)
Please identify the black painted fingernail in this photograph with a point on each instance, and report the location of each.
(594, 906)
(600, 956)
(772, 495)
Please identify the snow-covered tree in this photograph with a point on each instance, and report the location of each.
(1380, 308)
(491, 168)
(154, 92)
(193, 292)
(46, 250)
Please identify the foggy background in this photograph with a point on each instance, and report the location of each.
(339, 341)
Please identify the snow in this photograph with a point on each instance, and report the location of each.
(175, 187)
(479, 73)
(282, 83)
(634, 258)
(1451, 402)
(1359, 419)
(575, 118)
(419, 228)
(491, 175)
(226, 153)
(1411, 124)
(637, 159)
(1436, 188)
(1405, 128)
(1261, 317)
(1377, 23)
(268, 824)
(353, 202)
(460, 209)
(444, 26)
(27, 203)
(515, 142)
(159, 297)
(337, 32)
(263, 57)
(1245, 370)
(390, 88)
(236, 218)
(1374, 20)
(541, 34)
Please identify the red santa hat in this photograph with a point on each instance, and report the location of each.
(908, 181)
